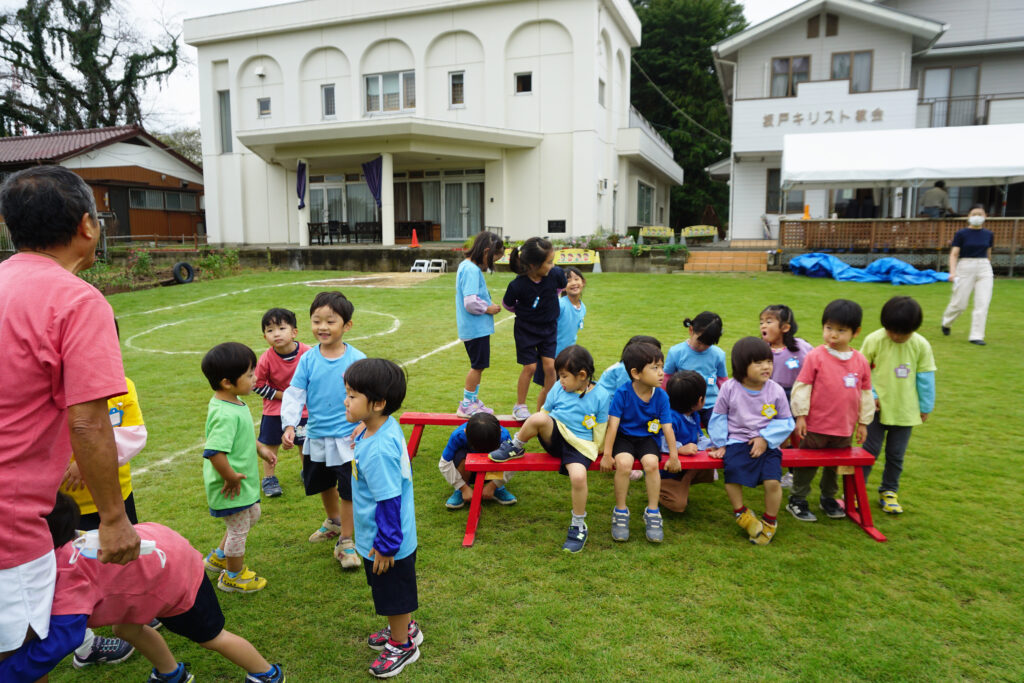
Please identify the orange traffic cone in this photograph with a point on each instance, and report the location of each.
(807, 213)
(415, 242)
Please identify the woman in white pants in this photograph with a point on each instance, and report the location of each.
(970, 270)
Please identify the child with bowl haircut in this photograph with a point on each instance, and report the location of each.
(686, 390)
(482, 433)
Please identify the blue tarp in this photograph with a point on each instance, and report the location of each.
(883, 270)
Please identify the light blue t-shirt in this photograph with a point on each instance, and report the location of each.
(323, 380)
(710, 364)
(613, 378)
(381, 471)
(579, 413)
(570, 322)
(470, 280)
(638, 417)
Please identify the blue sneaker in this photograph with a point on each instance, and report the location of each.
(181, 675)
(275, 675)
(504, 496)
(455, 501)
(507, 451)
(576, 539)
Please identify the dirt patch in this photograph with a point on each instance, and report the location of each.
(385, 280)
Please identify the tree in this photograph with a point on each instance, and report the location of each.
(73, 64)
(185, 141)
(675, 52)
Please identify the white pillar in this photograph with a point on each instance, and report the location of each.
(303, 212)
(387, 200)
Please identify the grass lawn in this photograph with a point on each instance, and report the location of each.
(941, 600)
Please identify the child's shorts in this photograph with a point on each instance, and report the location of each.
(741, 469)
(203, 621)
(318, 477)
(479, 352)
(394, 591)
(637, 446)
(271, 431)
(560, 448)
(531, 346)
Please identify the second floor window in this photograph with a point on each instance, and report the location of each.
(457, 88)
(855, 66)
(263, 107)
(328, 108)
(394, 91)
(224, 120)
(787, 72)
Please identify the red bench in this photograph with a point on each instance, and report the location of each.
(421, 420)
(858, 508)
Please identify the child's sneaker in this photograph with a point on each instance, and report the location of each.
(455, 501)
(520, 411)
(652, 526)
(345, 553)
(245, 582)
(767, 533)
(468, 409)
(276, 675)
(327, 531)
(787, 480)
(271, 487)
(105, 651)
(799, 508)
(620, 525)
(182, 675)
(214, 563)
(393, 659)
(576, 539)
(832, 508)
(507, 451)
(504, 496)
(750, 523)
(890, 503)
(377, 640)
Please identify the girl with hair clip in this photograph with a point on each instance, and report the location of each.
(778, 328)
(474, 316)
(533, 297)
(700, 354)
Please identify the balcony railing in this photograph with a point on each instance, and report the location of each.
(891, 234)
(975, 110)
(637, 120)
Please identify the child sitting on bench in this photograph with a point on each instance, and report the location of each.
(481, 434)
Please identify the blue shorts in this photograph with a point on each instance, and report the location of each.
(271, 431)
(318, 477)
(394, 591)
(531, 346)
(203, 621)
(479, 352)
(741, 469)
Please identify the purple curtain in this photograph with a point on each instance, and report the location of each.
(300, 184)
(372, 171)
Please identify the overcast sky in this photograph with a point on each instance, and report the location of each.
(176, 104)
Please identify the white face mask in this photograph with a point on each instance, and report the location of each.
(976, 220)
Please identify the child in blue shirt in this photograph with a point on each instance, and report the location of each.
(685, 390)
(384, 510)
(481, 434)
(615, 376)
(570, 427)
(327, 451)
(474, 316)
(700, 353)
(639, 412)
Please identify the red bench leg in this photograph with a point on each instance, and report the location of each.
(414, 440)
(858, 508)
(474, 512)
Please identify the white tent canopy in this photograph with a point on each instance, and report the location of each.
(963, 155)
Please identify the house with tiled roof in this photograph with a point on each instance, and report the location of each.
(152, 190)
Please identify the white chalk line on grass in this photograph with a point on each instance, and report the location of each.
(445, 347)
(169, 459)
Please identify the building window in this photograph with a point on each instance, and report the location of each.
(600, 91)
(263, 107)
(644, 203)
(524, 83)
(855, 66)
(831, 25)
(327, 106)
(457, 88)
(556, 226)
(394, 91)
(180, 201)
(146, 199)
(813, 25)
(787, 72)
(224, 110)
(773, 196)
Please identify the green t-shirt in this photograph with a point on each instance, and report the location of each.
(894, 369)
(229, 430)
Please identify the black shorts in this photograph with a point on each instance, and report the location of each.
(92, 520)
(203, 621)
(318, 477)
(394, 591)
(532, 346)
(271, 431)
(637, 446)
(560, 448)
(479, 352)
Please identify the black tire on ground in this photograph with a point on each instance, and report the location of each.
(183, 273)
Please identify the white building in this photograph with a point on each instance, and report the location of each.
(512, 114)
(857, 65)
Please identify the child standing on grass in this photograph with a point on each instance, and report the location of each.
(750, 421)
(533, 297)
(474, 316)
(327, 452)
(639, 412)
(571, 427)
(701, 354)
(686, 390)
(571, 312)
(831, 399)
(481, 434)
(385, 513)
(903, 370)
(615, 376)
(274, 372)
(230, 469)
